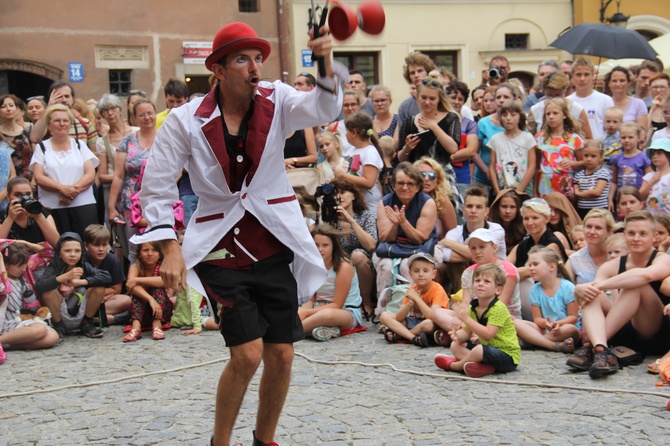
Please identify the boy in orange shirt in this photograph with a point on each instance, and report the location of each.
(414, 318)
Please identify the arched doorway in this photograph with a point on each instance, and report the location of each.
(25, 79)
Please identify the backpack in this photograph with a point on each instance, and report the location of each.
(627, 356)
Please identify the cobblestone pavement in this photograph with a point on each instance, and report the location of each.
(153, 399)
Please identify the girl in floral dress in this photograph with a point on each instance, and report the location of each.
(560, 147)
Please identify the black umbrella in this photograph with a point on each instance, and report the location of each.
(612, 42)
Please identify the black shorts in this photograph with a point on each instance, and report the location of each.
(502, 362)
(657, 345)
(261, 302)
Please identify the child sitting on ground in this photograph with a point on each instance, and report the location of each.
(96, 245)
(488, 318)
(16, 295)
(151, 305)
(72, 289)
(388, 148)
(556, 322)
(577, 236)
(413, 321)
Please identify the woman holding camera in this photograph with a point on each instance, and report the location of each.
(360, 241)
(20, 224)
(64, 170)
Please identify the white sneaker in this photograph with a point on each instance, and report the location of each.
(325, 333)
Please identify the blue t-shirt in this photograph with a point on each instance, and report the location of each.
(486, 130)
(630, 170)
(554, 307)
(462, 169)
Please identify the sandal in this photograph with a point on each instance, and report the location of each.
(653, 367)
(567, 346)
(157, 334)
(421, 340)
(132, 335)
(390, 336)
(441, 338)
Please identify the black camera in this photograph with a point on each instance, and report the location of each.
(329, 202)
(31, 205)
(495, 73)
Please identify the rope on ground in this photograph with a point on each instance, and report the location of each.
(114, 380)
(344, 362)
(490, 381)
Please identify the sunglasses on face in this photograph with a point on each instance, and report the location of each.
(430, 175)
(431, 83)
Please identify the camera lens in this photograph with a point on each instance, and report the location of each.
(494, 72)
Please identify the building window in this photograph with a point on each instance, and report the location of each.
(248, 5)
(119, 82)
(366, 63)
(516, 41)
(448, 59)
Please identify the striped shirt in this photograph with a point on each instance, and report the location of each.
(588, 182)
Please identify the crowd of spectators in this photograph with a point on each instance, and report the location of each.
(529, 217)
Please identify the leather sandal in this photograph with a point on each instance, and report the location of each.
(157, 334)
(132, 335)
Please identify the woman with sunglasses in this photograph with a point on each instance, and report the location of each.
(111, 109)
(405, 217)
(435, 131)
(435, 185)
(384, 123)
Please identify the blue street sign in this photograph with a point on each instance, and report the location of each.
(307, 58)
(76, 70)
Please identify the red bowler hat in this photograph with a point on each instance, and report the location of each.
(236, 36)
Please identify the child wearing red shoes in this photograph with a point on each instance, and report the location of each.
(498, 348)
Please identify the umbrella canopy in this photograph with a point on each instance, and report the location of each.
(597, 39)
(660, 44)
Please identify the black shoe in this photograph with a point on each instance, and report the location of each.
(582, 358)
(90, 330)
(59, 327)
(604, 363)
(122, 318)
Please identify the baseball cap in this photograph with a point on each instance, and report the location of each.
(482, 234)
(421, 255)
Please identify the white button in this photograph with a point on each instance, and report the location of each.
(236, 231)
(240, 158)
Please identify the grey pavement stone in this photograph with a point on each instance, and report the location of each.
(343, 404)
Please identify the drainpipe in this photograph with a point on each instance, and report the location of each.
(283, 28)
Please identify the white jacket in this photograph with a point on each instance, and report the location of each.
(192, 136)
